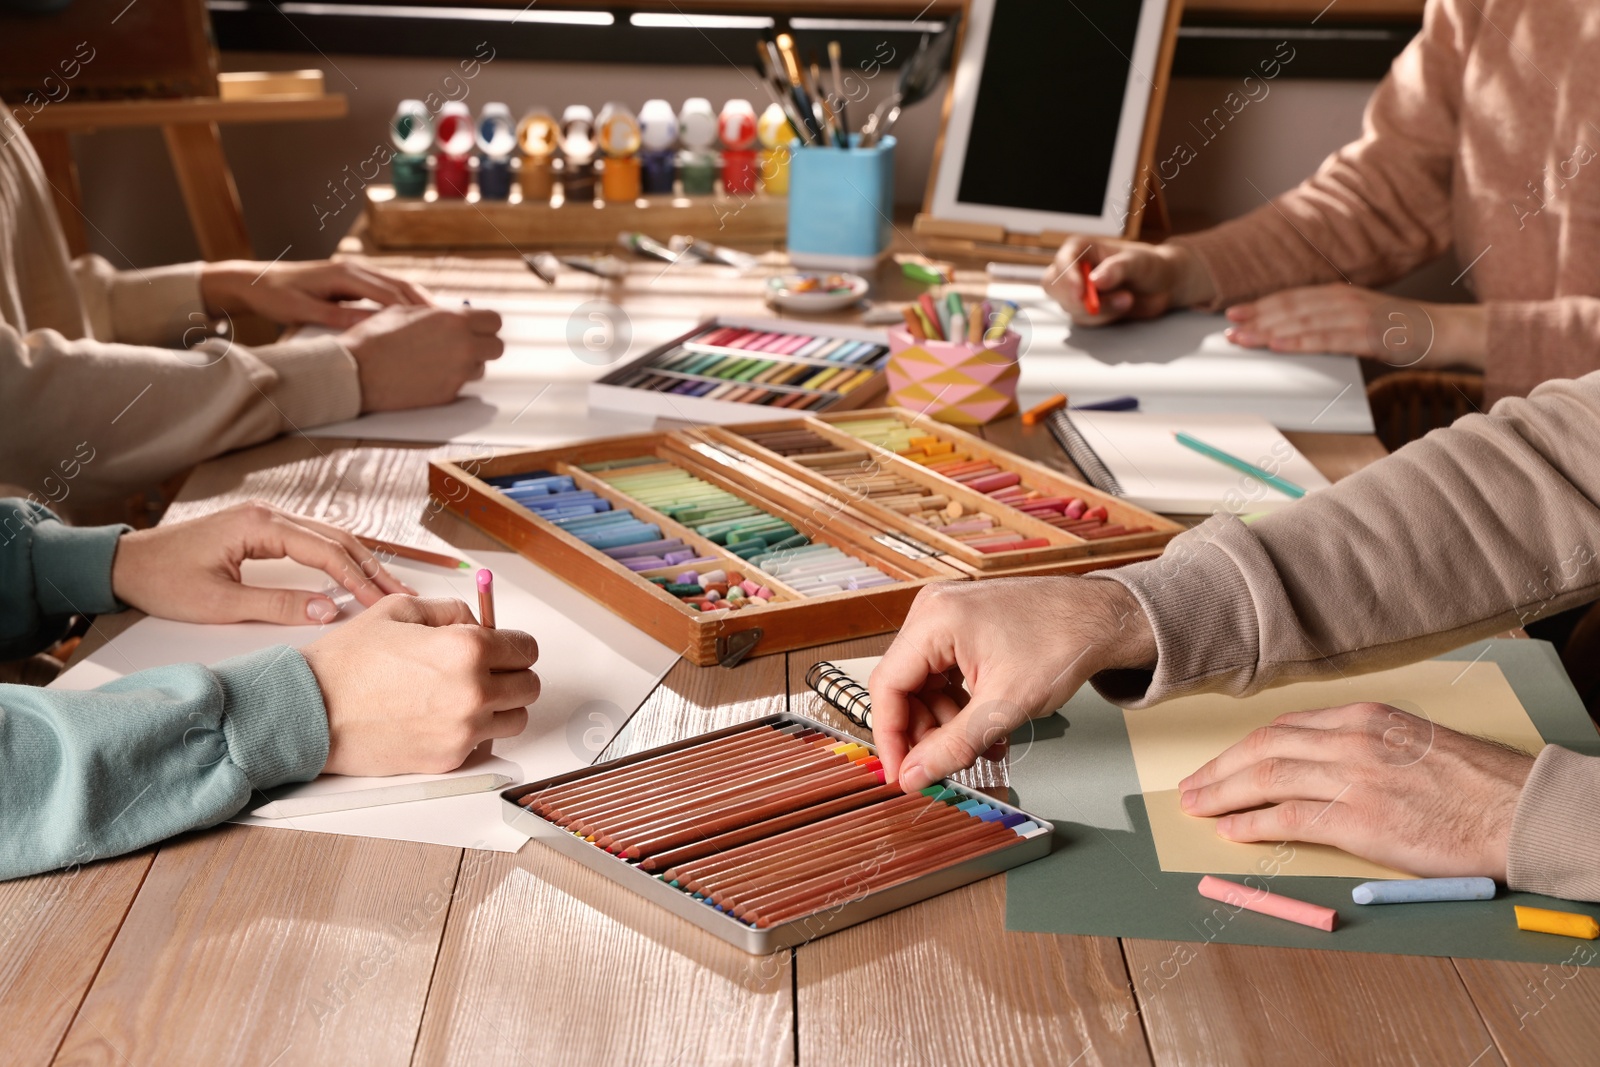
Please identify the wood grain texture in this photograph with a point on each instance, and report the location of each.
(54, 931)
(943, 982)
(245, 945)
(103, 114)
(544, 961)
(1209, 1003)
(1539, 1013)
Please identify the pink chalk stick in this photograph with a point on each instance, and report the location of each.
(1259, 900)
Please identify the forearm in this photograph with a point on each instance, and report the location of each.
(48, 573)
(89, 775)
(154, 306)
(1472, 530)
(95, 421)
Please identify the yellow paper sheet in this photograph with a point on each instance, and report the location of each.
(1175, 738)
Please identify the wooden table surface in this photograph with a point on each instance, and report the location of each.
(251, 945)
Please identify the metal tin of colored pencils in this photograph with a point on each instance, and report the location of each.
(882, 892)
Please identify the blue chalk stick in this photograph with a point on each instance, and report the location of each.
(1419, 890)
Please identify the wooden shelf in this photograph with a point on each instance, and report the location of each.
(102, 114)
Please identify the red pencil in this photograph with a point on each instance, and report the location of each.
(1091, 295)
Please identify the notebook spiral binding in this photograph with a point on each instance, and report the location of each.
(1080, 452)
(841, 691)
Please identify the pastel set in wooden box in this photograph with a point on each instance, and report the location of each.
(723, 547)
(733, 369)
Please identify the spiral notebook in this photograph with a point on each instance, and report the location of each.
(843, 684)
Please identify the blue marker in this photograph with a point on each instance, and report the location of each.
(1420, 890)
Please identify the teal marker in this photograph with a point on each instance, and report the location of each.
(1282, 485)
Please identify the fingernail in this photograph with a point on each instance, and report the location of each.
(913, 777)
(320, 610)
(1187, 800)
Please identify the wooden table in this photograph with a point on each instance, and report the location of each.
(260, 946)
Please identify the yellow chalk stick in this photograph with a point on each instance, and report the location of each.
(1565, 923)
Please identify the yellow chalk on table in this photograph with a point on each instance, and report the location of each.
(1565, 923)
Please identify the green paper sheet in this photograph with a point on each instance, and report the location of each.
(1104, 878)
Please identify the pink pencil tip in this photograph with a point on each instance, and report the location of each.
(485, 578)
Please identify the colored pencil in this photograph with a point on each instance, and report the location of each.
(416, 555)
(1283, 485)
(486, 598)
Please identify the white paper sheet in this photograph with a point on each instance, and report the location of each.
(1158, 473)
(595, 670)
(1181, 364)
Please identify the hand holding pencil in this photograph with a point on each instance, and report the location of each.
(1102, 280)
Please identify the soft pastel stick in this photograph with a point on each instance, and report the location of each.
(1259, 900)
(1418, 890)
(1565, 923)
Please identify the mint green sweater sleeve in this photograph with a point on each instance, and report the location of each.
(92, 774)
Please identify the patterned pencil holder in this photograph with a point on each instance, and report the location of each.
(954, 381)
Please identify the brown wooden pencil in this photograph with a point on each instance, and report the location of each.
(417, 555)
(734, 795)
(707, 840)
(840, 886)
(749, 806)
(798, 840)
(861, 851)
(938, 859)
(801, 856)
(694, 778)
(652, 806)
(578, 788)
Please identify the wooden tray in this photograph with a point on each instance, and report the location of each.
(814, 506)
(1065, 548)
(395, 223)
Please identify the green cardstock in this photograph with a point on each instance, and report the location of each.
(1103, 877)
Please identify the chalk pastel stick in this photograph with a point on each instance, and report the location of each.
(1565, 923)
(1420, 890)
(1259, 900)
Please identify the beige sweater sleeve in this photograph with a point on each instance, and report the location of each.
(1378, 207)
(112, 418)
(1474, 529)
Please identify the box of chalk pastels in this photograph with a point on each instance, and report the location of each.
(731, 541)
(773, 832)
(733, 369)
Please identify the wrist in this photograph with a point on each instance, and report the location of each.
(222, 283)
(1126, 640)
(1191, 279)
(1461, 334)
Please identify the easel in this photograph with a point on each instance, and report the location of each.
(148, 64)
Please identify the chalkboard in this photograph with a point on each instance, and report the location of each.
(1048, 114)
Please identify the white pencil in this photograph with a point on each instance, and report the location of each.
(293, 807)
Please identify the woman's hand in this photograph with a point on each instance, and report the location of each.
(1378, 782)
(1353, 321)
(311, 292)
(413, 686)
(189, 571)
(1022, 646)
(1134, 280)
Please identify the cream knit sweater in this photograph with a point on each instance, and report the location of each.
(1484, 136)
(95, 406)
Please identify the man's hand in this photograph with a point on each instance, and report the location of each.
(312, 292)
(1359, 322)
(189, 571)
(1135, 280)
(411, 357)
(1378, 782)
(413, 686)
(1021, 645)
